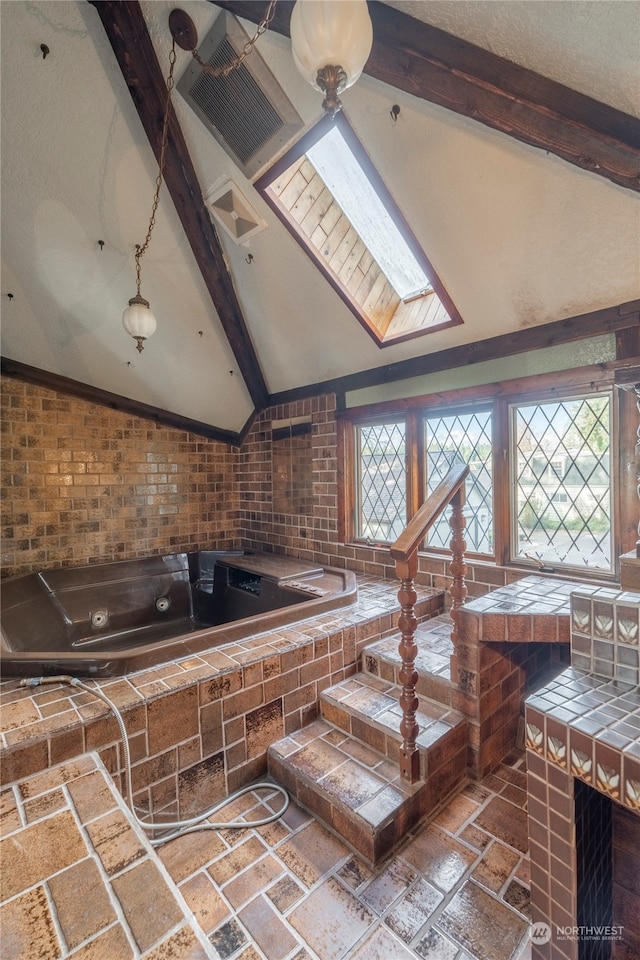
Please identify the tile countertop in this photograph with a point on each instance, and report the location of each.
(589, 726)
(66, 830)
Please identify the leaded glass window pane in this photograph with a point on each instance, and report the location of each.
(562, 482)
(382, 487)
(455, 439)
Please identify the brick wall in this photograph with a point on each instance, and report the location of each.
(292, 477)
(83, 483)
(312, 535)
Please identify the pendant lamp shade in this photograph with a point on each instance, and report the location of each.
(138, 320)
(331, 33)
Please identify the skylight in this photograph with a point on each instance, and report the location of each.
(343, 175)
(336, 205)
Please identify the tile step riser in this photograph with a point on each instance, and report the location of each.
(371, 841)
(387, 742)
(428, 685)
(345, 766)
(376, 720)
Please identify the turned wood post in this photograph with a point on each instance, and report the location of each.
(409, 755)
(457, 567)
(404, 552)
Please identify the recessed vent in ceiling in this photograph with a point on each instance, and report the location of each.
(233, 211)
(247, 111)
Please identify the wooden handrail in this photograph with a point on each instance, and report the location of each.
(420, 523)
(450, 490)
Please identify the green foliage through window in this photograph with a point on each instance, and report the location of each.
(382, 486)
(463, 438)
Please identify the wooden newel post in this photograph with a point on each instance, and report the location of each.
(409, 754)
(404, 552)
(457, 567)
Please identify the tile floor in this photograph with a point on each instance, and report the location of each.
(78, 880)
(456, 890)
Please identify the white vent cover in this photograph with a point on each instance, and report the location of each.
(233, 211)
(247, 111)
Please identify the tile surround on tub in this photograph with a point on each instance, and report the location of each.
(198, 725)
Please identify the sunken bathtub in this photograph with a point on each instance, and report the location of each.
(109, 619)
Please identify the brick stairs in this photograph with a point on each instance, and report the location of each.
(344, 766)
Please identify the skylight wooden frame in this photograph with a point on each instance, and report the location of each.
(386, 318)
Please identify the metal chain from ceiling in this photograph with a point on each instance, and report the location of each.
(140, 250)
(237, 61)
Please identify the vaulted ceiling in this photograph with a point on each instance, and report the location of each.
(515, 156)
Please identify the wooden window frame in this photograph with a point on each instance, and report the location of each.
(500, 396)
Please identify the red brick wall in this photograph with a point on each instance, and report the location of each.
(83, 483)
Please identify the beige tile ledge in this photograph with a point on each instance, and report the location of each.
(68, 840)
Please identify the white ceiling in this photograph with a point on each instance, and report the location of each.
(518, 237)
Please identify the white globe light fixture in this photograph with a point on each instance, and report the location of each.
(331, 41)
(139, 321)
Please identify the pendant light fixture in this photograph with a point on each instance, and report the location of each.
(331, 41)
(138, 319)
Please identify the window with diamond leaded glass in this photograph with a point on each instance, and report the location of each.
(561, 480)
(543, 488)
(381, 513)
(454, 439)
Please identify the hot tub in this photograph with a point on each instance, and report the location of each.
(109, 619)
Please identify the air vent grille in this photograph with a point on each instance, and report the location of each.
(233, 211)
(247, 111)
(236, 105)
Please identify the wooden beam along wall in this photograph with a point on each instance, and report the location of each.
(434, 65)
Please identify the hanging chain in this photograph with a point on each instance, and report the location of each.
(140, 250)
(246, 50)
(215, 72)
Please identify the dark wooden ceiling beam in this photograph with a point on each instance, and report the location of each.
(436, 66)
(127, 32)
(621, 320)
(85, 391)
(613, 320)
